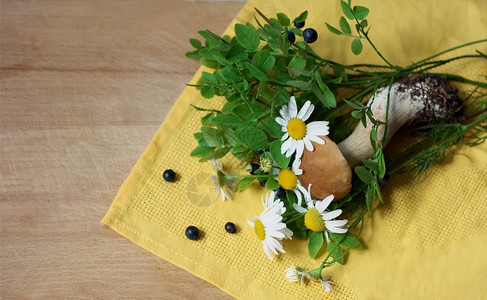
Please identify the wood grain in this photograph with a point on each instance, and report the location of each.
(84, 87)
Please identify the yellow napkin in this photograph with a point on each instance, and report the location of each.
(427, 241)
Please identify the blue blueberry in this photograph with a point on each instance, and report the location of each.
(192, 232)
(280, 192)
(310, 35)
(255, 167)
(383, 180)
(291, 36)
(299, 24)
(230, 227)
(169, 175)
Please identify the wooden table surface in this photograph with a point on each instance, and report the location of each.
(85, 85)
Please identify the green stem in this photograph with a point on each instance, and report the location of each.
(412, 66)
(297, 216)
(373, 46)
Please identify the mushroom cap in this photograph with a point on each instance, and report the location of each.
(327, 170)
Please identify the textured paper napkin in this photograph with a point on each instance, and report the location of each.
(426, 241)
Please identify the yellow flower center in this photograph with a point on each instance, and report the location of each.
(259, 229)
(296, 128)
(287, 179)
(313, 220)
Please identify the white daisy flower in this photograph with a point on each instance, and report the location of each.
(326, 284)
(298, 134)
(318, 219)
(292, 274)
(222, 183)
(296, 274)
(269, 228)
(269, 165)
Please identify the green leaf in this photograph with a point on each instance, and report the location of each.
(264, 61)
(302, 85)
(364, 174)
(328, 98)
(315, 243)
(299, 233)
(210, 37)
(193, 54)
(208, 63)
(207, 119)
(201, 151)
(281, 159)
(195, 43)
(247, 36)
(228, 75)
(239, 149)
(333, 29)
(371, 164)
(244, 183)
(302, 17)
(347, 10)
(252, 137)
(282, 96)
(335, 252)
(258, 74)
(347, 240)
(271, 184)
(344, 25)
(283, 19)
(370, 197)
(373, 135)
(296, 66)
(364, 23)
(236, 54)
(208, 77)
(212, 137)
(300, 223)
(354, 104)
(230, 120)
(207, 91)
(382, 164)
(339, 70)
(209, 53)
(360, 12)
(216, 154)
(356, 46)
(272, 127)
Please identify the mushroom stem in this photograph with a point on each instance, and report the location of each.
(415, 98)
(420, 98)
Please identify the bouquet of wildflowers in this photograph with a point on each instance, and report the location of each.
(312, 131)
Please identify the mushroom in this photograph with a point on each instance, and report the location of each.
(416, 98)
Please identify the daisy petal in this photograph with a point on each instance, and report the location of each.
(299, 208)
(332, 214)
(267, 251)
(319, 125)
(293, 108)
(281, 121)
(288, 144)
(299, 149)
(304, 111)
(316, 139)
(322, 205)
(336, 229)
(309, 112)
(308, 144)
